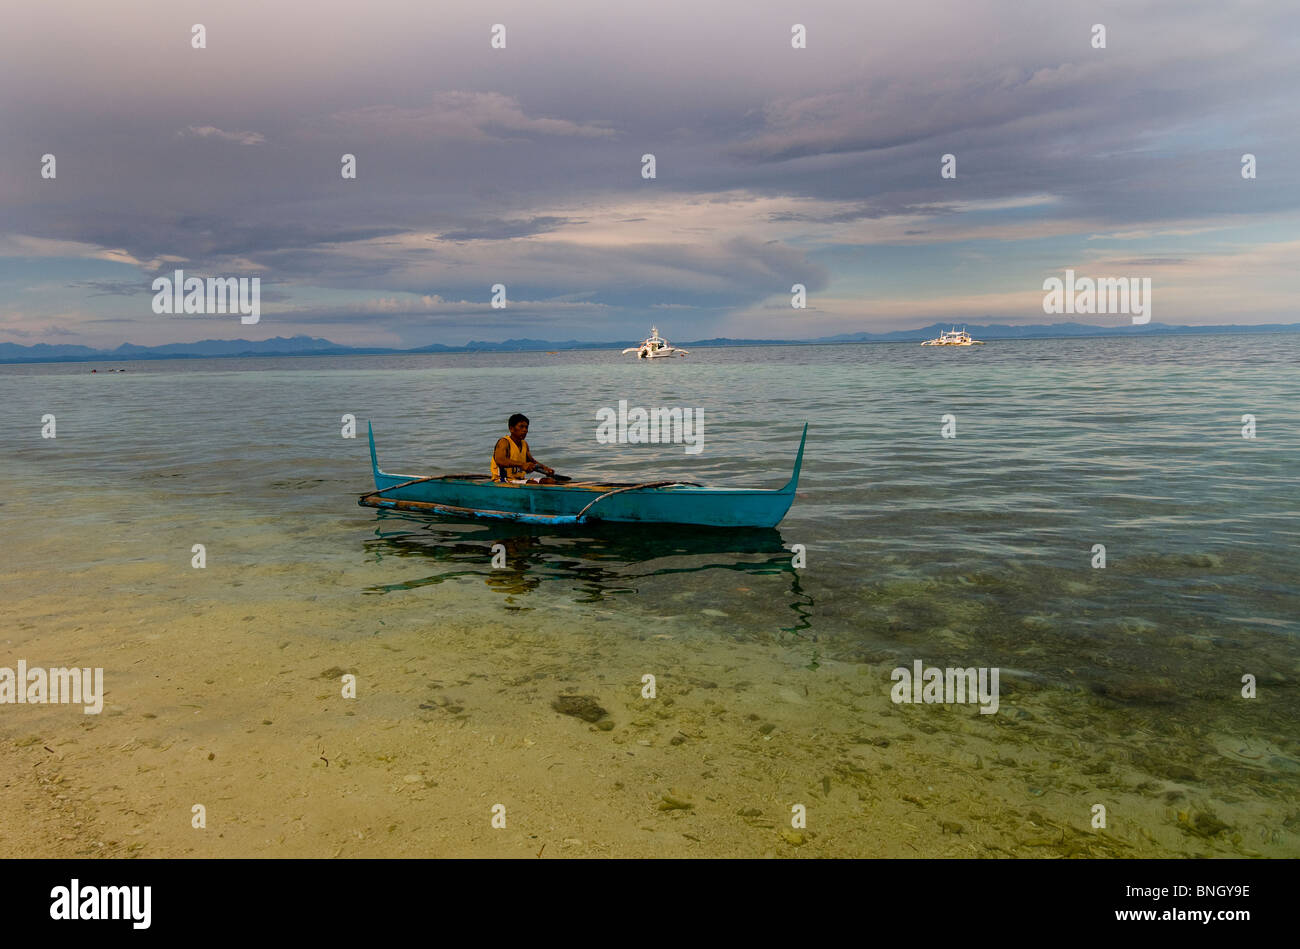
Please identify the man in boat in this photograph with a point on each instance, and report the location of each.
(511, 459)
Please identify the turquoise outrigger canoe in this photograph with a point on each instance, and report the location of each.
(579, 502)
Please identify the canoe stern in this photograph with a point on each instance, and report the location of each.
(374, 459)
(793, 483)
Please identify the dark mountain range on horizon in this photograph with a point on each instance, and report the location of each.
(316, 346)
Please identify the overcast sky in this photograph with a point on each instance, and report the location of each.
(522, 166)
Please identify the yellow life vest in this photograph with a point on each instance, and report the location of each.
(518, 455)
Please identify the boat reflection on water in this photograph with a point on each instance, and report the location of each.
(592, 563)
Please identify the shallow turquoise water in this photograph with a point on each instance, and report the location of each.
(973, 550)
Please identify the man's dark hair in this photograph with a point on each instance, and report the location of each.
(516, 419)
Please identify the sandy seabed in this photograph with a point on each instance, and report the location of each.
(238, 707)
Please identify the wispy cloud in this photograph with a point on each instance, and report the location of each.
(211, 131)
(479, 117)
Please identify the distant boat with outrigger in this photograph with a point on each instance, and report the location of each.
(655, 347)
(954, 337)
(580, 502)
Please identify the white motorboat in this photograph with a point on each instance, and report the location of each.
(954, 337)
(654, 347)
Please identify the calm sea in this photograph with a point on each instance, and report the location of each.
(983, 549)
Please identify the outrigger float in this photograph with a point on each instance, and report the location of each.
(579, 502)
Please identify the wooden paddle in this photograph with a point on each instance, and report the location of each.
(552, 478)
